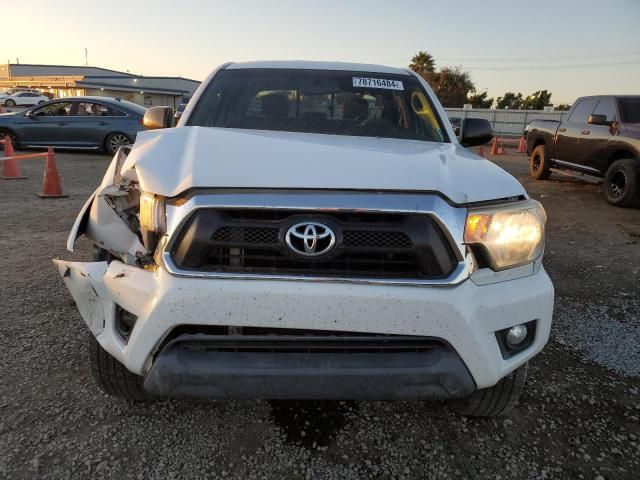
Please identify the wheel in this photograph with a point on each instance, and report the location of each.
(40, 102)
(116, 140)
(622, 183)
(10, 103)
(493, 401)
(14, 140)
(112, 377)
(539, 165)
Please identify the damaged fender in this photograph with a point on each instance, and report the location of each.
(101, 220)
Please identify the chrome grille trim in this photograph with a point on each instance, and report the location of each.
(451, 219)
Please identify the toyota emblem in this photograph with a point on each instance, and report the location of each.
(310, 239)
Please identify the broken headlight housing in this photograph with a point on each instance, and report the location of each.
(152, 213)
(507, 235)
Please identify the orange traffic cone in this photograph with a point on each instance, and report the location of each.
(10, 170)
(481, 151)
(522, 148)
(51, 187)
(494, 147)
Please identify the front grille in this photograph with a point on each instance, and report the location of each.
(283, 340)
(368, 245)
(239, 235)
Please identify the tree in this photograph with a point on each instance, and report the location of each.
(452, 86)
(537, 100)
(510, 100)
(480, 100)
(563, 107)
(423, 64)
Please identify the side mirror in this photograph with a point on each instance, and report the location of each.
(475, 131)
(29, 114)
(599, 120)
(158, 117)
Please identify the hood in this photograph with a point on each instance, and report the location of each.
(170, 161)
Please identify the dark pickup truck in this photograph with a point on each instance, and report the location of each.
(600, 137)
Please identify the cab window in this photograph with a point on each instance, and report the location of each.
(57, 109)
(583, 109)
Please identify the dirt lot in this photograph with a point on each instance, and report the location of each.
(579, 417)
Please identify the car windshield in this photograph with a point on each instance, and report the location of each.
(630, 109)
(318, 101)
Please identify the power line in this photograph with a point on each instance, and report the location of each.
(547, 58)
(515, 68)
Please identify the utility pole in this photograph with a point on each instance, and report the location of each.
(86, 57)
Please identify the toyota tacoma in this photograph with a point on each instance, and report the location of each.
(312, 231)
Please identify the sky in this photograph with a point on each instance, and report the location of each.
(571, 48)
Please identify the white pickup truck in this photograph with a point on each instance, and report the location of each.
(312, 230)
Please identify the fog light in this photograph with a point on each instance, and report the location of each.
(516, 335)
(125, 321)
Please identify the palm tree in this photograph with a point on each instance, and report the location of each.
(423, 64)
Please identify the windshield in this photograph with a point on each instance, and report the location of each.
(317, 101)
(630, 109)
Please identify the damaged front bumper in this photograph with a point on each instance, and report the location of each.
(464, 317)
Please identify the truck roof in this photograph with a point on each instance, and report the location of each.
(610, 96)
(311, 65)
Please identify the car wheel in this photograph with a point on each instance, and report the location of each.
(14, 140)
(116, 140)
(539, 164)
(10, 103)
(622, 183)
(40, 102)
(493, 401)
(112, 377)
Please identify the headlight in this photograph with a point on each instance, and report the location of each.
(511, 235)
(152, 213)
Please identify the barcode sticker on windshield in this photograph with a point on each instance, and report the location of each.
(378, 83)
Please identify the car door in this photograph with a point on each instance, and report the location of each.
(90, 124)
(598, 141)
(571, 148)
(45, 125)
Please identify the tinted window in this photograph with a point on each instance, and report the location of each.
(630, 109)
(583, 109)
(56, 109)
(325, 102)
(96, 110)
(606, 106)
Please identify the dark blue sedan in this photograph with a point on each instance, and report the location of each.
(88, 123)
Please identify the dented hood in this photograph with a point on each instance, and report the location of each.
(170, 161)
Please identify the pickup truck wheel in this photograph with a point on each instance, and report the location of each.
(493, 401)
(622, 183)
(539, 165)
(112, 377)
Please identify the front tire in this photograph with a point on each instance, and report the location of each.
(10, 103)
(112, 377)
(114, 141)
(493, 401)
(622, 183)
(539, 164)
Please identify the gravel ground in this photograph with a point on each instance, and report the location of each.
(579, 416)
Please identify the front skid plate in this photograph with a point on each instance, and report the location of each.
(435, 374)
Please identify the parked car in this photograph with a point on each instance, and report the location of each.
(91, 123)
(601, 137)
(24, 98)
(314, 230)
(179, 111)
